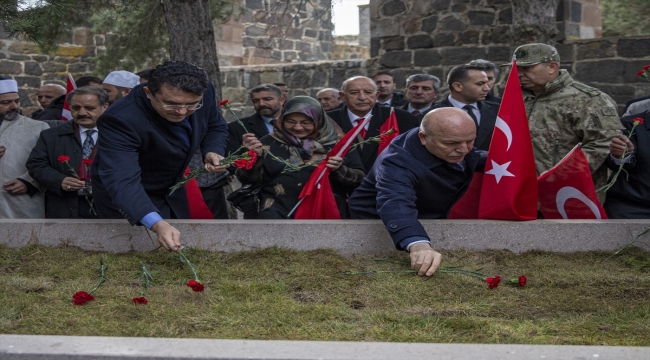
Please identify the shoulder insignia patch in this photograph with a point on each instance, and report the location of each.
(586, 88)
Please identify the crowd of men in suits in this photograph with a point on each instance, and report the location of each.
(39, 169)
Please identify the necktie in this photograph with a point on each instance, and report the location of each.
(272, 122)
(362, 133)
(415, 113)
(470, 111)
(89, 144)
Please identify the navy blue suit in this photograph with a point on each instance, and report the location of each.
(408, 183)
(141, 155)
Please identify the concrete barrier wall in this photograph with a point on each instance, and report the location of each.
(348, 237)
(22, 347)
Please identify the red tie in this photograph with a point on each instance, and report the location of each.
(362, 133)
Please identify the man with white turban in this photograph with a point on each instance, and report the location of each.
(118, 84)
(20, 197)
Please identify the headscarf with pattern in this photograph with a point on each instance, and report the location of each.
(325, 133)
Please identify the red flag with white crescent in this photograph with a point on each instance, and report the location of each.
(390, 123)
(65, 114)
(198, 208)
(316, 198)
(567, 190)
(509, 189)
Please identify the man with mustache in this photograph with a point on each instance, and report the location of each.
(468, 88)
(19, 197)
(69, 194)
(563, 112)
(359, 96)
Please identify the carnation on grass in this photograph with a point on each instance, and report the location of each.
(282, 294)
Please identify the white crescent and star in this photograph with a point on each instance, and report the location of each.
(500, 171)
(569, 192)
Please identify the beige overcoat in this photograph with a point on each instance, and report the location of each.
(19, 137)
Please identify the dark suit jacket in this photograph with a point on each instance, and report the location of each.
(628, 198)
(53, 112)
(44, 167)
(254, 124)
(139, 156)
(630, 102)
(489, 112)
(405, 121)
(409, 183)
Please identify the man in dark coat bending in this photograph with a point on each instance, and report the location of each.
(147, 139)
(420, 175)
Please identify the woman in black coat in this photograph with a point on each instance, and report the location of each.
(303, 135)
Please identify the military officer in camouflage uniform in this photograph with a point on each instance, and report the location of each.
(563, 112)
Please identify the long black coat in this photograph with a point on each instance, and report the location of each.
(489, 112)
(139, 157)
(44, 167)
(280, 195)
(628, 198)
(368, 152)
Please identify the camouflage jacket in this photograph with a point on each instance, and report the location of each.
(567, 113)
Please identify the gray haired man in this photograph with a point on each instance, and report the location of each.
(422, 90)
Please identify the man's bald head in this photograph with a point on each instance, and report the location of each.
(448, 133)
(49, 92)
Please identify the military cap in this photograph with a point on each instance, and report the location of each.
(533, 54)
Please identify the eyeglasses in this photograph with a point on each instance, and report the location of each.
(188, 107)
(292, 123)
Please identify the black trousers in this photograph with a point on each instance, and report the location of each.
(215, 198)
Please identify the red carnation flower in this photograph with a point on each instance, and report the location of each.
(140, 300)
(637, 121)
(647, 67)
(223, 102)
(493, 282)
(195, 285)
(522, 280)
(63, 158)
(240, 163)
(82, 297)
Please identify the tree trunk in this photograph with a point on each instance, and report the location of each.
(534, 21)
(191, 36)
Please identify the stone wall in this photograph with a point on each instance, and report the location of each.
(579, 19)
(286, 31)
(30, 69)
(609, 64)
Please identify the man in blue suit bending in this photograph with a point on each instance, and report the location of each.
(147, 140)
(421, 174)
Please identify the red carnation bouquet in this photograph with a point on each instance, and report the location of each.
(239, 160)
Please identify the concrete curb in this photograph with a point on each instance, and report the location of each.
(25, 347)
(348, 237)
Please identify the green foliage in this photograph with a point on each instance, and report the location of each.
(626, 17)
(44, 22)
(138, 36)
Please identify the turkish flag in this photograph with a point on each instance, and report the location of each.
(316, 198)
(509, 190)
(390, 123)
(198, 207)
(567, 190)
(65, 114)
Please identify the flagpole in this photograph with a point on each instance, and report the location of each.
(356, 132)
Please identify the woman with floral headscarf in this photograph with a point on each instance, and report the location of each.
(303, 134)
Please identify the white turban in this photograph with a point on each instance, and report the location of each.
(122, 78)
(8, 86)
